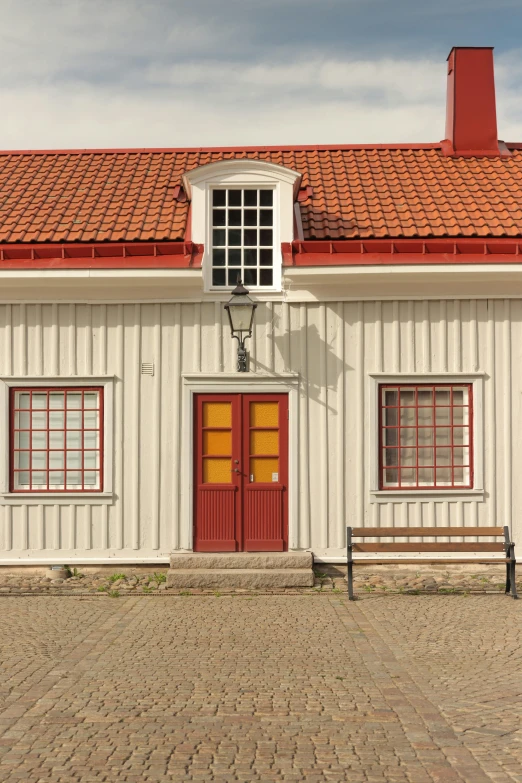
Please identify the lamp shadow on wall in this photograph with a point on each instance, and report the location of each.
(307, 352)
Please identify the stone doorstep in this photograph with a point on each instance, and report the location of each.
(240, 577)
(241, 560)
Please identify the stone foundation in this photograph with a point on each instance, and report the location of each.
(372, 580)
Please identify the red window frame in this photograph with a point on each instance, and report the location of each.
(452, 485)
(12, 432)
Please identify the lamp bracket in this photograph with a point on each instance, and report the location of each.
(242, 353)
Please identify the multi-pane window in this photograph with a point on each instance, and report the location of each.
(425, 436)
(242, 237)
(56, 439)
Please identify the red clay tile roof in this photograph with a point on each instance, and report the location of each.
(358, 192)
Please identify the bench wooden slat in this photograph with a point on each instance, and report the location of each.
(426, 531)
(431, 547)
(431, 560)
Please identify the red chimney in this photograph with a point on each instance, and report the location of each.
(471, 116)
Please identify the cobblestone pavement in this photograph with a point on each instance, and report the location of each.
(309, 688)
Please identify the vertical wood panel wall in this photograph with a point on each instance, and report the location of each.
(332, 345)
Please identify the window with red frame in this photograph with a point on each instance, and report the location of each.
(426, 436)
(56, 439)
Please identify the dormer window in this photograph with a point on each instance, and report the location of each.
(242, 211)
(243, 237)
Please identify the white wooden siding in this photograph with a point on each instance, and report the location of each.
(333, 346)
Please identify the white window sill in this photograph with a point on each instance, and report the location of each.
(56, 498)
(402, 495)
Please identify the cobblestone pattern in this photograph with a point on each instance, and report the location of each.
(260, 688)
(469, 666)
(487, 580)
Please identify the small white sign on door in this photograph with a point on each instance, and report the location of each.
(275, 476)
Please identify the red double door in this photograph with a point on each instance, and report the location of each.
(241, 473)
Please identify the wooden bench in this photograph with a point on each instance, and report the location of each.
(507, 547)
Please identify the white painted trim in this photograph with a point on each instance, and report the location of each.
(300, 284)
(237, 383)
(425, 495)
(178, 273)
(200, 298)
(468, 270)
(243, 173)
(225, 169)
(386, 496)
(303, 297)
(439, 377)
(261, 296)
(402, 282)
(56, 380)
(59, 498)
(56, 499)
(234, 378)
(63, 557)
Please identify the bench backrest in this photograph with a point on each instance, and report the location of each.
(429, 532)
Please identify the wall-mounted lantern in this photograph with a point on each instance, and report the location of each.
(240, 309)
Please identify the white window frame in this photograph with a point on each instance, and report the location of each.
(429, 493)
(46, 497)
(254, 174)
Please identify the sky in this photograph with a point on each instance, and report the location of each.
(170, 73)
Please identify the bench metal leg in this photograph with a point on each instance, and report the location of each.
(512, 575)
(349, 559)
(508, 578)
(350, 581)
(511, 579)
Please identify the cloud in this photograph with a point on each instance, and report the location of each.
(344, 77)
(117, 73)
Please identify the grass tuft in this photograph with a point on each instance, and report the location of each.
(115, 577)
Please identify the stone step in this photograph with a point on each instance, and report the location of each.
(240, 577)
(241, 560)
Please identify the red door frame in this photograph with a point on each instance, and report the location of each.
(214, 501)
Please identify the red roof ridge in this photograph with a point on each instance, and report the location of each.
(270, 148)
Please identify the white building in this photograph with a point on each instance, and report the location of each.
(385, 369)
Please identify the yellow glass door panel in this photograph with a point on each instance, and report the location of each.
(264, 470)
(264, 414)
(217, 471)
(217, 414)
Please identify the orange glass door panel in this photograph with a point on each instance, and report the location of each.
(241, 467)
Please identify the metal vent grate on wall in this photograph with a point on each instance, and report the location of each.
(147, 368)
